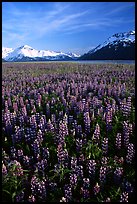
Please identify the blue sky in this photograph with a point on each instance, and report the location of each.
(64, 26)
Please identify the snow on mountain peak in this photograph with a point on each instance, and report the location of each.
(72, 54)
(27, 51)
(24, 46)
(124, 37)
(6, 51)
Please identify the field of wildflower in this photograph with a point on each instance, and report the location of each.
(68, 132)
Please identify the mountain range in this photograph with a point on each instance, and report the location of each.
(120, 46)
(27, 53)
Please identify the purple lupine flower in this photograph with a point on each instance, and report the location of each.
(118, 141)
(79, 130)
(118, 173)
(18, 134)
(130, 153)
(91, 168)
(18, 168)
(28, 138)
(124, 197)
(45, 153)
(60, 114)
(127, 186)
(104, 161)
(85, 193)
(63, 128)
(36, 147)
(53, 186)
(130, 128)
(33, 133)
(41, 126)
(105, 145)
(129, 104)
(33, 119)
(60, 154)
(86, 182)
(13, 118)
(42, 166)
(15, 106)
(125, 110)
(73, 163)
(31, 198)
(81, 159)
(126, 138)
(33, 109)
(4, 169)
(20, 154)
(73, 180)
(43, 121)
(38, 188)
(102, 174)
(24, 111)
(70, 119)
(87, 122)
(38, 102)
(37, 116)
(21, 101)
(40, 136)
(13, 153)
(96, 189)
(26, 161)
(65, 119)
(63, 199)
(78, 145)
(21, 120)
(63, 131)
(68, 192)
(9, 102)
(53, 118)
(109, 118)
(20, 197)
(96, 135)
(79, 171)
(42, 190)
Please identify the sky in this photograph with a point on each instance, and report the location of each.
(64, 26)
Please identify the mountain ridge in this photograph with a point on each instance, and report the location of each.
(120, 46)
(27, 53)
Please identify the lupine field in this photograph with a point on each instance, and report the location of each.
(68, 132)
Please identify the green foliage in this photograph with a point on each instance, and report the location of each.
(92, 151)
(70, 145)
(12, 184)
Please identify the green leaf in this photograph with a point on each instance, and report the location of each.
(13, 195)
(118, 192)
(4, 190)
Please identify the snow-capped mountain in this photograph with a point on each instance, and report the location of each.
(27, 53)
(6, 52)
(119, 46)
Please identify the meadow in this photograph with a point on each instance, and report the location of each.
(68, 132)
